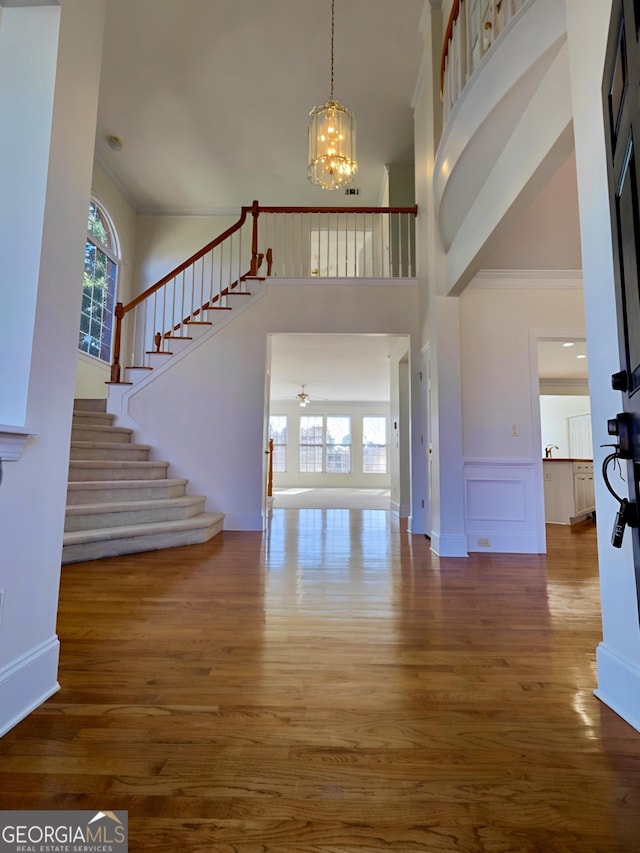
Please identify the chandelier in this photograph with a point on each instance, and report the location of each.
(332, 139)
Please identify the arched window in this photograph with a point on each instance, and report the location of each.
(99, 285)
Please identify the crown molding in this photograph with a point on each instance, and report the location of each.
(536, 279)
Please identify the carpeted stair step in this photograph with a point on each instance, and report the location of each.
(125, 513)
(114, 451)
(82, 418)
(86, 492)
(100, 432)
(104, 469)
(129, 539)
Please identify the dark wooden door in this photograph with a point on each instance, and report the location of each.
(621, 98)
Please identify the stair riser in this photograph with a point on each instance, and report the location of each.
(114, 435)
(90, 405)
(132, 545)
(150, 471)
(113, 494)
(126, 453)
(143, 516)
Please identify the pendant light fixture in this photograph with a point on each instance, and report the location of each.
(332, 138)
(303, 398)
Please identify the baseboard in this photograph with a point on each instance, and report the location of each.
(449, 545)
(239, 521)
(28, 682)
(619, 684)
(401, 510)
(505, 543)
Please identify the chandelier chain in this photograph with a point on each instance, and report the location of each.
(333, 20)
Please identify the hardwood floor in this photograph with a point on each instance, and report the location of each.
(334, 687)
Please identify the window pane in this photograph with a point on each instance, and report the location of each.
(338, 444)
(374, 441)
(278, 434)
(278, 428)
(99, 288)
(311, 444)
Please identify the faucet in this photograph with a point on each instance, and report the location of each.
(548, 449)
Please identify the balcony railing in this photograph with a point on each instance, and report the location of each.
(291, 242)
(473, 27)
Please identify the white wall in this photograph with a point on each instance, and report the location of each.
(503, 470)
(164, 242)
(205, 413)
(33, 491)
(356, 479)
(554, 420)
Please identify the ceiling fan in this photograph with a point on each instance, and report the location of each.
(303, 398)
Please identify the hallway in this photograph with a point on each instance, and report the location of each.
(333, 687)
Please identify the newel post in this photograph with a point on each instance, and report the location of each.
(115, 366)
(255, 213)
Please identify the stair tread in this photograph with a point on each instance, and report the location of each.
(126, 506)
(125, 484)
(205, 519)
(103, 427)
(82, 414)
(109, 445)
(117, 463)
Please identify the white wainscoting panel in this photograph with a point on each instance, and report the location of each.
(501, 503)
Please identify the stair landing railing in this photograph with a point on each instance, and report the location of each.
(473, 27)
(288, 242)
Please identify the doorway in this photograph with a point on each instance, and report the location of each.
(565, 438)
(336, 407)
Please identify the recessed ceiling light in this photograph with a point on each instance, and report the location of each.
(581, 356)
(568, 344)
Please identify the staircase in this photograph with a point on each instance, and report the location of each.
(119, 501)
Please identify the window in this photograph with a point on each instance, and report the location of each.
(374, 445)
(311, 429)
(338, 445)
(98, 286)
(325, 444)
(278, 433)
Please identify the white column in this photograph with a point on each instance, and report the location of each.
(51, 56)
(28, 51)
(619, 654)
(439, 315)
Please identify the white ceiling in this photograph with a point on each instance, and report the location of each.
(557, 361)
(331, 367)
(211, 97)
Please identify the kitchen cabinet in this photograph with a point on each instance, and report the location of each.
(568, 490)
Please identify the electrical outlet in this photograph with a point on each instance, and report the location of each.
(484, 542)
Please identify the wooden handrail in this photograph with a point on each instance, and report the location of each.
(121, 310)
(453, 17)
(448, 36)
(255, 209)
(412, 209)
(195, 257)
